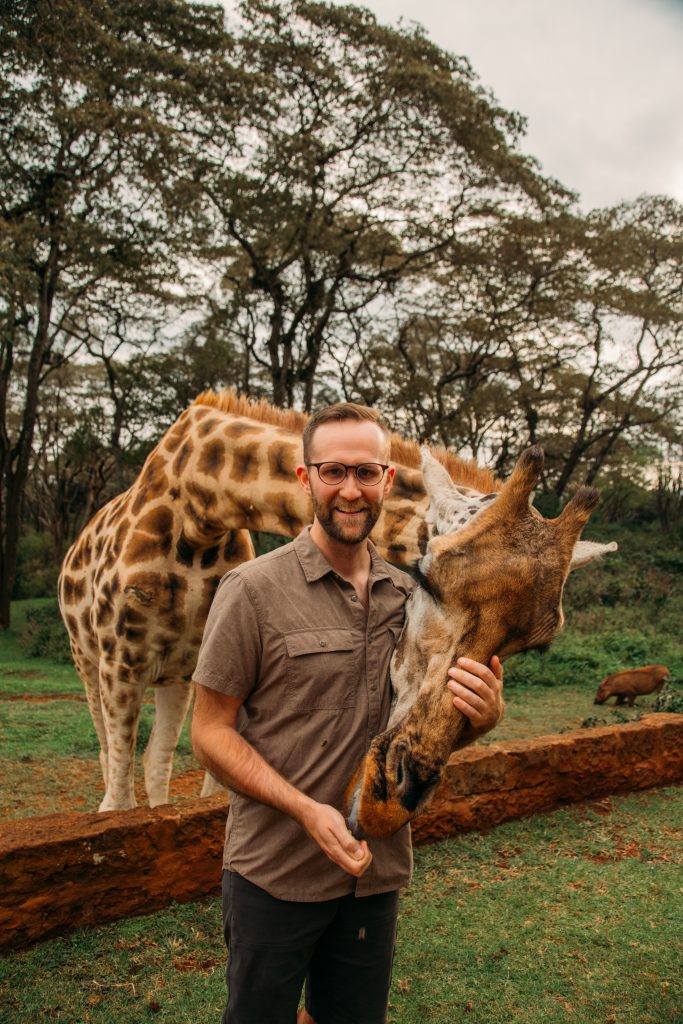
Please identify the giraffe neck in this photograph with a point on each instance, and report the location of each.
(228, 472)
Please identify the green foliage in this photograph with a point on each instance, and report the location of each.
(43, 635)
(37, 567)
(670, 698)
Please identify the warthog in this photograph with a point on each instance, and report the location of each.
(632, 683)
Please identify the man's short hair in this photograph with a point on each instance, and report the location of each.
(338, 413)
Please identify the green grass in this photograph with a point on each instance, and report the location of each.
(20, 674)
(572, 916)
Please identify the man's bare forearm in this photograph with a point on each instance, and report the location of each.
(237, 765)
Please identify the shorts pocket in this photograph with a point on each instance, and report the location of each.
(320, 669)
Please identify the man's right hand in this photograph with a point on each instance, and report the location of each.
(327, 828)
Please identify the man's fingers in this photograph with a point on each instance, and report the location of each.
(340, 846)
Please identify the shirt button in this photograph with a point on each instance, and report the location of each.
(354, 597)
(323, 643)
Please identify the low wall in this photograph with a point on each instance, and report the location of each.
(66, 870)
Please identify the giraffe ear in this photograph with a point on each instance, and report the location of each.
(438, 483)
(586, 551)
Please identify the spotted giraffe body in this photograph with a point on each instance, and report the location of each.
(136, 586)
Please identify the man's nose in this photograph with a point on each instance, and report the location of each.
(349, 488)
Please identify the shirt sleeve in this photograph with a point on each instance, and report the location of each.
(230, 654)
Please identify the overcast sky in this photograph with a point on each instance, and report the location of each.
(599, 81)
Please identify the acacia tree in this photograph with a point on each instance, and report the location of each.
(92, 141)
(563, 331)
(629, 357)
(447, 368)
(374, 153)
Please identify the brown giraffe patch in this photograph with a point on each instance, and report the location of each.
(405, 485)
(212, 458)
(185, 551)
(152, 538)
(285, 509)
(282, 461)
(180, 461)
(120, 535)
(206, 428)
(239, 428)
(245, 463)
(209, 588)
(205, 498)
(104, 612)
(73, 591)
(237, 547)
(175, 436)
(152, 484)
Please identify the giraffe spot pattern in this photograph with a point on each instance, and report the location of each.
(212, 458)
(282, 461)
(286, 512)
(152, 484)
(238, 428)
(237, 547)
(152, 538)
(210, 556)
(403, 488)
(207, 499)
(185, 552)
(207, 427)
(175, 436)
(73, 591)
(180, 461)
(245, 463)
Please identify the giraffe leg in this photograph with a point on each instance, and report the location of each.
(121, 714)
(211, 786)
(89, 674)
(172, 701)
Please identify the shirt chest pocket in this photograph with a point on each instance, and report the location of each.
(322, 669)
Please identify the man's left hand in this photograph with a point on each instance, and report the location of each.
(478, 693)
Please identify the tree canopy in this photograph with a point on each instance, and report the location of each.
(303, 204)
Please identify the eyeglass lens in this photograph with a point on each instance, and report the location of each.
(368, 473)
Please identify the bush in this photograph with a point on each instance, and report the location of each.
(43, 635)
(670, 699)
(37, 568)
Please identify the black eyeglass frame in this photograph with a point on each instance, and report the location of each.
(332, 462)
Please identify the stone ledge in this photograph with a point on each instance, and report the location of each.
(67, 870)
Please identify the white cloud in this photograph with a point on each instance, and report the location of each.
(599, 82)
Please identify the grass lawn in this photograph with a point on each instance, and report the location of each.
(573, 916)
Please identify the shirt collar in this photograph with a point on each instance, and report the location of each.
(315, 565)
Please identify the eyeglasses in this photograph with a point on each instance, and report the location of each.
(367, 474)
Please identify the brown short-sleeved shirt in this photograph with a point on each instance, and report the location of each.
(290, 638)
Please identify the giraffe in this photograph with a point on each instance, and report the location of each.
(491, 582)
(135, 588)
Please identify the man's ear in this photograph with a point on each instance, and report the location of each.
(388, 483)
(304, 478)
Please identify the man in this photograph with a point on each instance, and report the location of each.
(297, 645)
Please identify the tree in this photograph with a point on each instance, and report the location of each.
(366, 156)
(92, 144)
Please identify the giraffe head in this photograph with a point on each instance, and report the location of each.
(492, 577)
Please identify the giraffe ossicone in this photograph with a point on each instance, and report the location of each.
(491, 583)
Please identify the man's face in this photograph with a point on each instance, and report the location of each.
(347, 511)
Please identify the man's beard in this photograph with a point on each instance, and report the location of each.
(363, 522)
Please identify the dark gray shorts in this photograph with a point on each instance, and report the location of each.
(342, 949)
